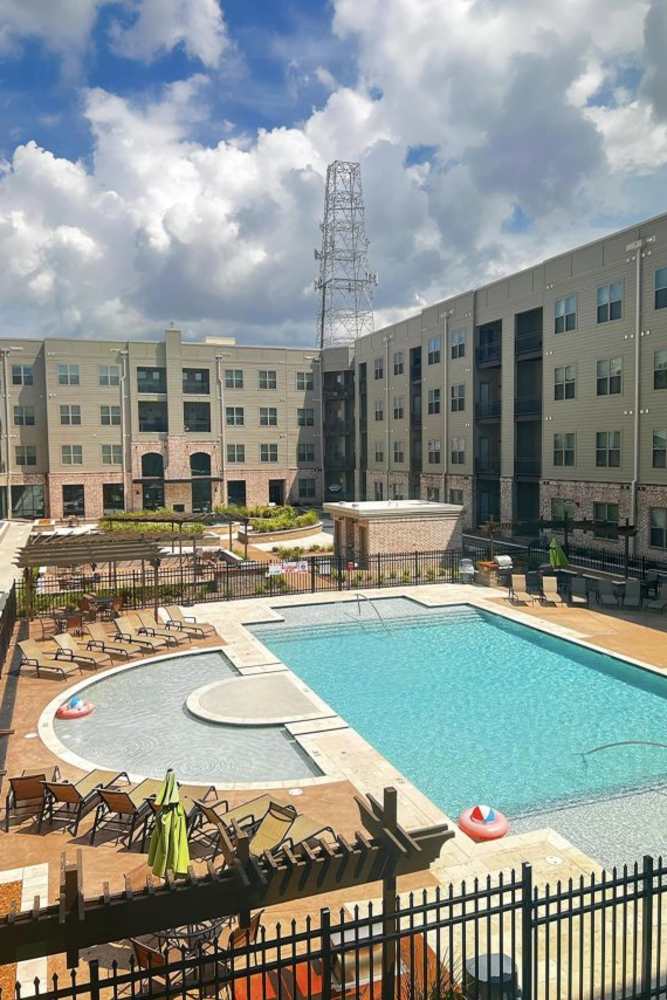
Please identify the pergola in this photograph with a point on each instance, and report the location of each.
(73, 550)
(176, 520)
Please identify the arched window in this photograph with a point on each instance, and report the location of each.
(200, 464)
(152, 464)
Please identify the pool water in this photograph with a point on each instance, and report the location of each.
(472, 707)
(141, 725)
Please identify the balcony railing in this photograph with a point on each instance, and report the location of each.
(527, 407)
(528, 343)
(487, 466)
(488, 354)
(527, 466)
(488, 409)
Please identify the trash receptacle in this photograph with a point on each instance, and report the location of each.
(491, 977)
(467, 571)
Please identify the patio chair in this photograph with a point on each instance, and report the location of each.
(72, 649)
(26, 793)
(153, 962)
(113, 645)
(633, 594)
(239, 938)
(550, 593)
(68, 802)
(186, 623)
(128, 633)
(305, 829)
(123, 811)
(606, 595)
(247, 816)
(578, 591)
(519, 592)
(32, 655)
(658, 604)
(146, 624)
(273, 829)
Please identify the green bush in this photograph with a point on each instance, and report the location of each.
(129, 523)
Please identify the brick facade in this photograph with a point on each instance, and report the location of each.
(584, 495)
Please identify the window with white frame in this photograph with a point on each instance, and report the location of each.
(661, 288)
(268, 452)
(305, 451)
(458, 397)
(562, 509)
(434, 349)
(608, 449)
(72, 454)
(304, 381)
(22, 375)
(610, 302)
(398, 363)
(70, 415)
(609, 377)
(24, 416)
(306, 489)
(565, 382)
(565, 449)
(110, 416)
(659, 449)
(109, 375)
(68, 375)
(660, 370)
(457, 344)
(379, 409)
(378, 368)
(268, 416)
(433, 401)
(433, 450)
(112, 454)
(605, 517)
(565, 314)
(267, 378)
(305, 417)
(236, 453)
(457, 451)
(26, 454)
(234, 416)
(399, 455)
(233, 378)
(658, 527)
(379, 451)
(398, 407)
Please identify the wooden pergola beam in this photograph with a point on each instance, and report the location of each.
(67, 551)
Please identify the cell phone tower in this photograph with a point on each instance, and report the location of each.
(345, 284)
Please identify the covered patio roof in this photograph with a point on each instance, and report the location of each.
(73, 550)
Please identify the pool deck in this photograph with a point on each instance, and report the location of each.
(349, 762)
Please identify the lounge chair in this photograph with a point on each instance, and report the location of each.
(550, 593)
(305, 829)
(73, 649)
(658, 604)
(237, 939)
(578, 591)
(273, 829)
(606, 595)
(147, 625)
(247, 816)
(186, 623)
(265, 835)
(128, 633)
(124, 810)
(633, 594)
(153, 963)
(68, 802)
(519, 592)
(26, 793)
(113, 645)
(44, 660)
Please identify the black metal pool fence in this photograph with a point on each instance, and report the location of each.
(603, 936)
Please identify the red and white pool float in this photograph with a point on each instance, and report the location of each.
(75, 708)
(483, 823)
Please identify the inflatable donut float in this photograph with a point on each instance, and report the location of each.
(483, 823)
(75, 708)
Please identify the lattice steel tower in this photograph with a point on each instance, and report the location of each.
(345, 284)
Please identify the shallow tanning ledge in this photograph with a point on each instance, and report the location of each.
(260, 700)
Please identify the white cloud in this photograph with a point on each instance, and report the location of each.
(63, 27)
(161, 25)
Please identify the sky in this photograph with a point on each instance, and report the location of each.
(163, 161)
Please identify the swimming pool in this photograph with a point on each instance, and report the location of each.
(471, 706)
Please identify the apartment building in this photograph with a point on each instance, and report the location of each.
(96, 427)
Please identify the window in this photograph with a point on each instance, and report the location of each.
(72, 454)
(398, 407)
(609, 377)
(236, 453)
(605, 516)
(73, 501)
(305, 418)
(26, 454)
(379, 451)
(433, 494)
(305, 452)
(234, 416)
(562, 509)
(458, 398)
(267, 379)
(196, 381)
(197, 418)
(28, 501)
(396, 492)
(268, 452)
(200, 464)
(379, 409)
(109, 375)
(659, 449)
(378, 491)
(456, 496)
(109, 416)
(70, 415)
(658, 527)
(398, 363)
(610, 302)
(113, 497)
(660, 370)
(24, 416)
(378, 368)
(565, 314)
(268, 416)
(233, 378)
(304, 381)
(151, 379)
(152, 465)
(608, 449)
(565, 382)
(433, 401)
(21, 374)
(153, 417)
(434, 347)
(433, 452)
(112, 454)
(457, 451)
(564, 449)
(399, 456)
(68, 375)
(661, 288)
(457, 344)
(306, 489)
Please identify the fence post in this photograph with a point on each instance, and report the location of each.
(94, 970)
(647, 925)
(416, 566)
(312, 574)
(526, 931)
(325, 930)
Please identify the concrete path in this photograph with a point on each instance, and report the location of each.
(12, 539)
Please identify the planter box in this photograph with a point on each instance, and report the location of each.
(279, 536)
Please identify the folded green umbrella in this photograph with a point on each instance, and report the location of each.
(557, 556)
(168, 849)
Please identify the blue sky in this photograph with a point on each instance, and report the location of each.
(165, 159)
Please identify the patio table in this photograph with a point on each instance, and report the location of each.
(190, 937)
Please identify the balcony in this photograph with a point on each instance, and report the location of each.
(527, 467)
(527, 407)
(487, 466)
(488, 410)
(528, 343)
(488, 354)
